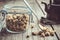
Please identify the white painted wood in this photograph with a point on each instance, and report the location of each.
(39, 14)
(24, 36)
(17, 37)
(2, 38)
(57, 29)
(29, 33)
(8, 37)
(35, 30)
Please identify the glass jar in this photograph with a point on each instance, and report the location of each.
(16, 10)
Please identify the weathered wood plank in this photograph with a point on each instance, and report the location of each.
(25, 36)
(9, 37)
(34, 29)
(2, 38)
(13, 37)
(17, 37)
(57, 29)
(29, 33)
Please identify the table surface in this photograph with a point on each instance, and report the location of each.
(4, 35)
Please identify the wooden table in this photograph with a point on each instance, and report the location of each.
(23, 36)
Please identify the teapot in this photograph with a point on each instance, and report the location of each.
(53, 11)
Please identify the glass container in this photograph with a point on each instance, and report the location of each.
(17, 8)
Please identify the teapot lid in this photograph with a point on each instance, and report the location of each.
(55, 4)
(56, 1)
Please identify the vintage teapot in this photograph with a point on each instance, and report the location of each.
(53, 10)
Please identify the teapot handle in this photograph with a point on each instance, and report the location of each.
(51, 1)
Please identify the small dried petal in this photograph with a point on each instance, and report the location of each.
(34, 33)
(39, 33)
(42, 35)
(27, 36)
(47, 34)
